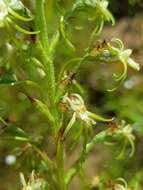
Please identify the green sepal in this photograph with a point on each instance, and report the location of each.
(63, 34)
(19, 28)
(18, 16)
(98, 117)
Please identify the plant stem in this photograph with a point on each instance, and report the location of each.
(77, 165)
(44, 49)
(50, 74)
(60, 166)
(41, 23)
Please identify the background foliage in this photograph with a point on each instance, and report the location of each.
(125, 103)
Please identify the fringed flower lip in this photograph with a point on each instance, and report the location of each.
(114, 52)
(13, 10)
(75, 105)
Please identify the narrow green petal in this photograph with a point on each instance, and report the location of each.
(133, 64)
(62, 29)
(124, 73)
(22, 30)
(3, 121)
(98, 118)
(122, 151)
(69, 126)
(123, 181)
(118, 42)
(21, 139)
(16, 15)
(22, 179)
(132, 145)
(126, 53)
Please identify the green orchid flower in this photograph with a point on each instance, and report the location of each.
(99, 15)
(109, 53)
(101, 10)
(34, 182)
(125, 132)
(75, 104)
(119, 184)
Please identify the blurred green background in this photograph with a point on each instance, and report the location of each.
(125, 104)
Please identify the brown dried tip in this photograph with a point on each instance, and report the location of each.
(70, 76)
(60, 134)
(32, 100)
(63, 106)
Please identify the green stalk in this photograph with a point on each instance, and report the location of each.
(44, 49)
(50, 73)
(88, 147)
(60, 166)
(41, 23)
